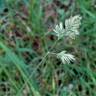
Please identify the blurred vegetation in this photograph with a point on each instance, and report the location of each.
(26, 28)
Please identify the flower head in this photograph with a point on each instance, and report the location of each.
(72, 25)
(59, 30)
(65, 57)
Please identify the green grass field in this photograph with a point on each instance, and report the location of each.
(27, 37)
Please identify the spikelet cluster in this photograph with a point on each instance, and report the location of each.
(71, 30)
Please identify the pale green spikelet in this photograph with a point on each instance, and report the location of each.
(72, 25)
(65, 57)
(59, 30)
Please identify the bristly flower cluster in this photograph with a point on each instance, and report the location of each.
(65, 57)
(71, 27)
(59, 30)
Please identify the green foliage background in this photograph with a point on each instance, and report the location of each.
(24, 68)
